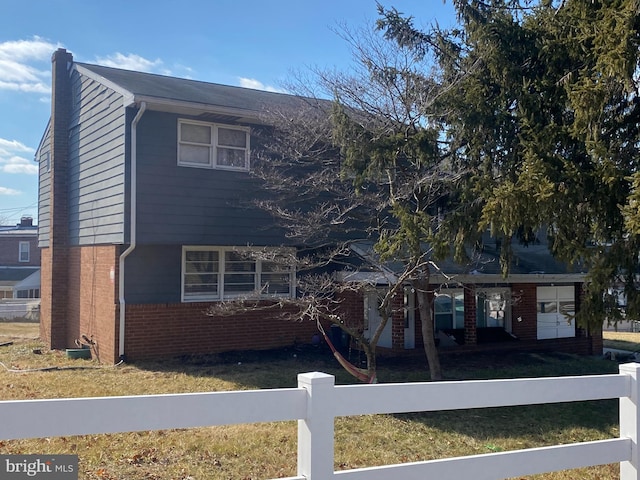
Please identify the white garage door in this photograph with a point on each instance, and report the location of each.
(553, 305)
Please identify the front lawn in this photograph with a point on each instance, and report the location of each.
(264, 451)
(622, 340)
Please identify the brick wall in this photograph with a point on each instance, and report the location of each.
(45, 301)
(55, 289)
(351, 308)
(154, 331)
(92, 298)
(470, 315)
(397, 322)
(524, 317)
(89, 298)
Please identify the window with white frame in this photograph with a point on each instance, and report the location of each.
(210, 145)
(448, 306)
(23, 252)
(216, 273)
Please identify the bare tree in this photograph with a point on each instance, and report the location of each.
(364, 166)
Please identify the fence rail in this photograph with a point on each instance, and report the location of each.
(318, 401)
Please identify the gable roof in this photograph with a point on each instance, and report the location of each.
(179, 94)
(12, 275)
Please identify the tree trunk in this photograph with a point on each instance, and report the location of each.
(369, 350)
(428, 333)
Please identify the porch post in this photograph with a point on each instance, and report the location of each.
(470, 321)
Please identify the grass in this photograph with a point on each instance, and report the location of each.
(622, 340)
(268, 450)
(10, 331)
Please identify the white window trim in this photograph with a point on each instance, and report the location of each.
(27, 250)
(213, 146)
(220, 294)
(452, 293)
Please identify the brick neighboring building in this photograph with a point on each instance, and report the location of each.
(19, 254)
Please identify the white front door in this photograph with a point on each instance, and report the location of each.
(553, 306)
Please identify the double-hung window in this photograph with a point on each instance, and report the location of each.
(210, 145)
(216, 273)
(23, 251)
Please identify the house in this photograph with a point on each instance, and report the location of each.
(143, 224)
(19, 255)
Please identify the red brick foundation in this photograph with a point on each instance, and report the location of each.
(154, 331)
(163, 330)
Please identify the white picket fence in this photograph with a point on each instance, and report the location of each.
(317, 401)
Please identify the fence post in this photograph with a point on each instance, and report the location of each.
(315, 432)
(630, 420)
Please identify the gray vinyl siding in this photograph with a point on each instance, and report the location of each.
(97, 146)
(44, 190)
(153, 274)
(193, 206)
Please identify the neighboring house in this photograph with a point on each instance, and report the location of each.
(143, 224)
(29, 287)
(19, 255)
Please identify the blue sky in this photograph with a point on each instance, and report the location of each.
(253, 43)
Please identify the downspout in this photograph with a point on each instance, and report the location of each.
(133, 207)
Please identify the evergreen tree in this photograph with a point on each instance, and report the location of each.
(540, 109)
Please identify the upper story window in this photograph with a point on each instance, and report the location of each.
(23, 252)
(210, 145)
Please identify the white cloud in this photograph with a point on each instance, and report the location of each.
(131, 61)
(13, 145)
(9, 191)
(12, 162)
(18, 165)
(25, 65)
(36, 48)
(258, 85)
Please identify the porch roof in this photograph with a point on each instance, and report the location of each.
(531, 263)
